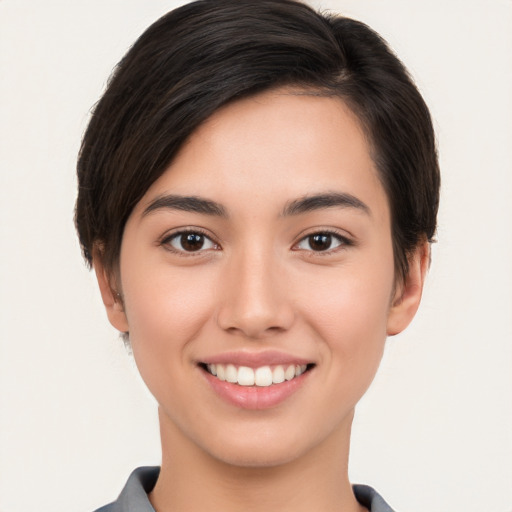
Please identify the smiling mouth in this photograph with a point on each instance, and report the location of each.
(262, 376)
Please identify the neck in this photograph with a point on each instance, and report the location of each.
(191, 479)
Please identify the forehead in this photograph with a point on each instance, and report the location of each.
(272, 147)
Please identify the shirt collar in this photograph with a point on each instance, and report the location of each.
(134, 496)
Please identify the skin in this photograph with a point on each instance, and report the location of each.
(257, 284)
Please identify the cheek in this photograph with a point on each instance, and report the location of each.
(166, 310)
(353, 328)
(349, 311)
(165, 306)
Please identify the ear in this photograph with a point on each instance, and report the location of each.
(111, 297)
(407, 296)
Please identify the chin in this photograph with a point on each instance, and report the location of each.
(254, 457)
(266, 447)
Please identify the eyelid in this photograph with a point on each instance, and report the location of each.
(165, 240)
(346, 240)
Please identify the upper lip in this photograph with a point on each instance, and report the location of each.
(255, 359)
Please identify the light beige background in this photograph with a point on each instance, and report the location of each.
(435, 431)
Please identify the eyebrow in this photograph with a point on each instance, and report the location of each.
(187, 204)
(321, 201)
(298, 206)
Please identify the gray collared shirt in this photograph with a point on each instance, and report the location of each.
(134, 496)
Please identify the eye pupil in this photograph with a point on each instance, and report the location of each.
(192, 241)
(320, 241)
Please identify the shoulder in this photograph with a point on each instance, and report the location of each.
(370, 498)
(134, 496)
(107, 508)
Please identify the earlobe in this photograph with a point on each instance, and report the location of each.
(112, 299)
(408, 295)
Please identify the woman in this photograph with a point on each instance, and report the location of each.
(258, 189)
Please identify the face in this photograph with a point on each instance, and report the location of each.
(257, 278)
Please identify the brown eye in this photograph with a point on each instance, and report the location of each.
(190, 241)
(321, 242)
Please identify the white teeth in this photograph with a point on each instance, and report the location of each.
(221, 372)
(245, 376)
(231, 373)
(290, 372)
(262, 376)
(278, 375)
(299, 370)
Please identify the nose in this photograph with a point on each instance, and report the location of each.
(255, 300)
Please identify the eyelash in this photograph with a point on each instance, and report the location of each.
(166, 242)
(343, 242)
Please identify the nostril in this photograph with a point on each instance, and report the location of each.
(253, 332)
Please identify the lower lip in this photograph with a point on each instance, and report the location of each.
(255, 397)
